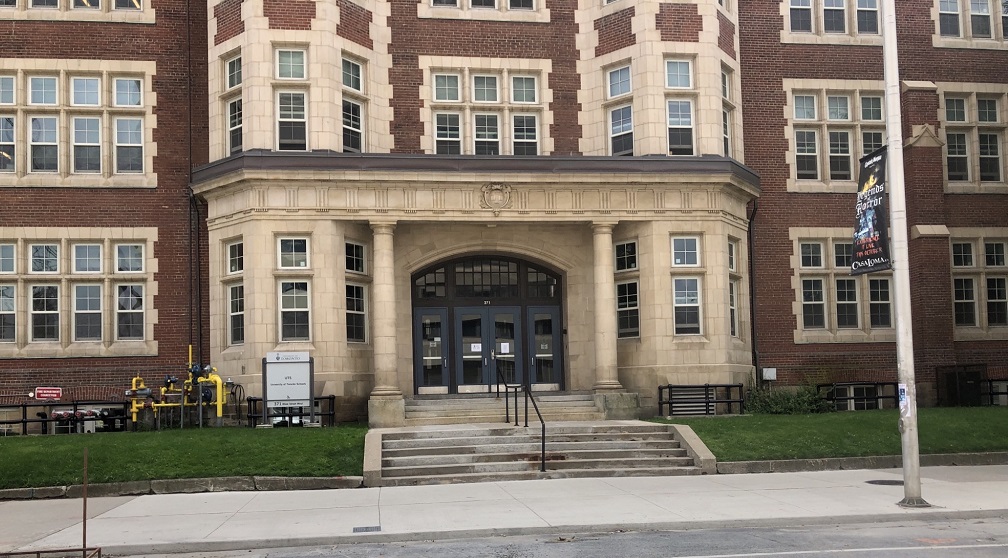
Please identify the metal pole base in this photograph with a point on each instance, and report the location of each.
(913, 503)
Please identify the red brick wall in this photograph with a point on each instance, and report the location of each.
(412, 37)
(289, 14)
(679, 22)
(615, 31)
(355, 23)
(229, 21)
(765, 63)
(180, 59)
(726, 35)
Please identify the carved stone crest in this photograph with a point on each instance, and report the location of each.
(496, 196)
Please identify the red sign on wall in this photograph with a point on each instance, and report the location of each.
(48, 393)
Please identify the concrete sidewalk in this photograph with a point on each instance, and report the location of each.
(216, 521)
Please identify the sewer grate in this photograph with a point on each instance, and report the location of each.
(886, 482)
(368, 529)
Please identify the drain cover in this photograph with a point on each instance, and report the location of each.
(886, 482)
(369, 529)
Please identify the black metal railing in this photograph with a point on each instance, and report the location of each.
(507, 391)
(527, 388)
(254, 414)
(70, 414)
(685, 396)
(992, 393)
(868, 400)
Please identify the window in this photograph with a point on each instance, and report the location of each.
(626, 256)
(801, 16)
(525, 134)
(975, 16)
(485, 89)
(43, 90)
(236, 314)
(294, 313)
(678, 74)
(948, 18)
(87, 313)
(129, 145)
(448, 134)
(292, 124)
(351, 75)
(355, 257)
(85, 91)
(619, 81)
(7, 317)
(234, 72)
(974, 133)
(726, 133)
(234, 109)
(290, 64)
(834, 16)
(86, 145)
(355, 314)
(621, 130)
(524, 89)
(127, 93)
(7, 151)
(236, 257)
(685, 252)
(733, 321)
(43, 143)
(128, 5)
(627, 310)
(446, 88)
(867, 17)
(831, 301)
(353, 131)
(6, 90)
(87, 258)
(487, 135)
(686, 305)
(980, 284)
(732, 256)
(293, 253)
(849, 132)
(45, 258)
(45, 313)
(830, 17)
(6, 258)
(129, 312)
(680, 127)
(44, 3)
(129, 258)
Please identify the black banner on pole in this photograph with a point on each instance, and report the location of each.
(871, 232)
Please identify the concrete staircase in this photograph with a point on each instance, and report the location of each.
(498, 452)
(475, 409)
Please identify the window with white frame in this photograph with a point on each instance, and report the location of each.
(235, 257)
(980, 284)
(972, 19)
(87, 324)
(87, 258)
(128, 5)
(84, 91)
(487, 134)
(44, 258)
(233, 106)
(129, 156)
(8, 322)
(525, 134)
(685, 251)
(448, 133)
(680, 127)
(524, 90)
(42, 90)
(233, 70)
(45, 313)
(353, 106)
(7, 258)
(234, 126)
(44, 144)
(686, 305)
(6, 90)
(621, 130)
(7, 148)
(290, 64)
(295, 317)
(485, 89)
(832, 131)
(975, 129)
(446, 88)
(626, 256)
(293, 253)
(86, 145)
(129, 258)
(355, 257)
(627, 310)
(727, 111)
(356, 313)
(678, 74)
(292, 121)
(236, 314)
(834, 302)
(128, 92)
(827, 18)
(619, 81)
(734, 288)
(129, 312)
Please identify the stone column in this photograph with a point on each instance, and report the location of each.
(386, 406)
(605, 309)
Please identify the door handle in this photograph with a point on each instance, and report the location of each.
(493, 354)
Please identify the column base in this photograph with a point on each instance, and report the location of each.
(618, 405)
(611, 385)
(386, 412)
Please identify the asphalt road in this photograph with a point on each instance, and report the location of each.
(975, 538)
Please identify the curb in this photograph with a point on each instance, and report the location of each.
(182, 486)
(852, 463)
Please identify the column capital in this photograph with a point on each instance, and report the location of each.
(604, 226)
(383, 225)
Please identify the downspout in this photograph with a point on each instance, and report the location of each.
(195, 269)
(752, 292)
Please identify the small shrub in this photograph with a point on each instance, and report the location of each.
(803, 400)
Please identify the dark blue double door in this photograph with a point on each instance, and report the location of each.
(470, 349)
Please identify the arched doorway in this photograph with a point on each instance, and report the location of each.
(481, 320)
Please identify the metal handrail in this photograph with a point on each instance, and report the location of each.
(507, 390)
(830, 394)
(542, 436)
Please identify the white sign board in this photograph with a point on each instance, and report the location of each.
(288, 384)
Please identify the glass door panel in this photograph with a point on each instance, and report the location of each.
(546, 342)
(505, 347)
(470, 333)
(430, 350)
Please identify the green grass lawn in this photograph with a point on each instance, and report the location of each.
(849, 434)
(56, 460)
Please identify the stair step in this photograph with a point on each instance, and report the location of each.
(536, 474)
(527, 446)
(478, 439)
(674, 456)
